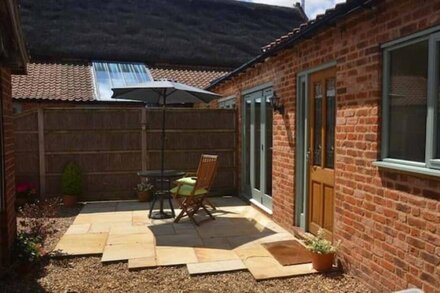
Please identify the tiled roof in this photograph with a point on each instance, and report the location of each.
(304, 31)
(308, 24)
(52, 81)
(197, 78)
(74, 82)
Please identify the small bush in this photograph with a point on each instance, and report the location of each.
(28, 248)
(71, 180)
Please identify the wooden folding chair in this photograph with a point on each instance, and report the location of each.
(191, 192)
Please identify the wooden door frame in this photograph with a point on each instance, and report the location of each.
(320, 171)
(301, 129)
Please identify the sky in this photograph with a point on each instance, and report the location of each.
(313, 7)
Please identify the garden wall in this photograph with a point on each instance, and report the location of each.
(112, 144)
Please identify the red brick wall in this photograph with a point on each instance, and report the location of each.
(7, 216)
(389, 223)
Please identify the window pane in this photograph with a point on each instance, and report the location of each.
(247, 144)
(438, 102)
(110, 75)
(257, 145)
(408, 98)
(317, 131)
(330, 124)
(103, 80)
(269, 142)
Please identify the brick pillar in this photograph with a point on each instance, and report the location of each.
(8, 226)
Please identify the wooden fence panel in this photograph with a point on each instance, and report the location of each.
(26, 148)
(112, 144)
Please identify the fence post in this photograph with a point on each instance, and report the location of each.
(41, 152)
(144, 138)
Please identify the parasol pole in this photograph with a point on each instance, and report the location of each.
(162, 150)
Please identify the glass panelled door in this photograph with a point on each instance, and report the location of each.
(257, 146)
(321, 158)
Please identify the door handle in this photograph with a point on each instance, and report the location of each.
(308, 155)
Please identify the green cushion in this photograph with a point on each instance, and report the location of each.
(185, 190)
(187, 180)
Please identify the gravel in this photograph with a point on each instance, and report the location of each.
(88, 274)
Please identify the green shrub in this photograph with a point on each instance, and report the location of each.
(28, 248)
(71, 180)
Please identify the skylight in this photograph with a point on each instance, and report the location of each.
(110, 75)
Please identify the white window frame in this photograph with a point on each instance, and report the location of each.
(431, 166)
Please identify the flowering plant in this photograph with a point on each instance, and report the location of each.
(28, 248)
(25, 190)
(320, 245)
(144, 186)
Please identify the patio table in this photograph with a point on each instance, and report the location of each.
(156, 176)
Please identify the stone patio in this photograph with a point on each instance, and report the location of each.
(122, 231)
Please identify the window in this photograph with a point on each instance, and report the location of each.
(111, 75)
(227, 103)
(411, 102)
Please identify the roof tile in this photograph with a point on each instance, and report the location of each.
(197, 78)
(52, 81)
(74, 82)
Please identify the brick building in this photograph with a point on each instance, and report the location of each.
(339, 130)
(13, 59)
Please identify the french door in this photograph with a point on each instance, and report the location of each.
(320, 153)
(257, 147)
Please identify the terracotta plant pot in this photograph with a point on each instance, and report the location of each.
(70, 200)
(322, 262)
(145, 195)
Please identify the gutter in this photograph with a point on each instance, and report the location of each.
(311, 27)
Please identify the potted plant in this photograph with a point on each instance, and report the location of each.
(71, 184)
(144, 191)
(322, 251)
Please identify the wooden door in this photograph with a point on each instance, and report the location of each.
(320, 154)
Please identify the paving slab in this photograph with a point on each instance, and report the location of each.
(170, 256)
(117, 239)
(78, 229)
(140, 218)
(265, 267)
(81, 244)
(214, 254)
(140, 263)
(100, 217)
(133, 206)
(215, 267)
(256, 250)
(126, 229)
(120, 252)
(162, 229)
(106, 227)
(179, 241)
